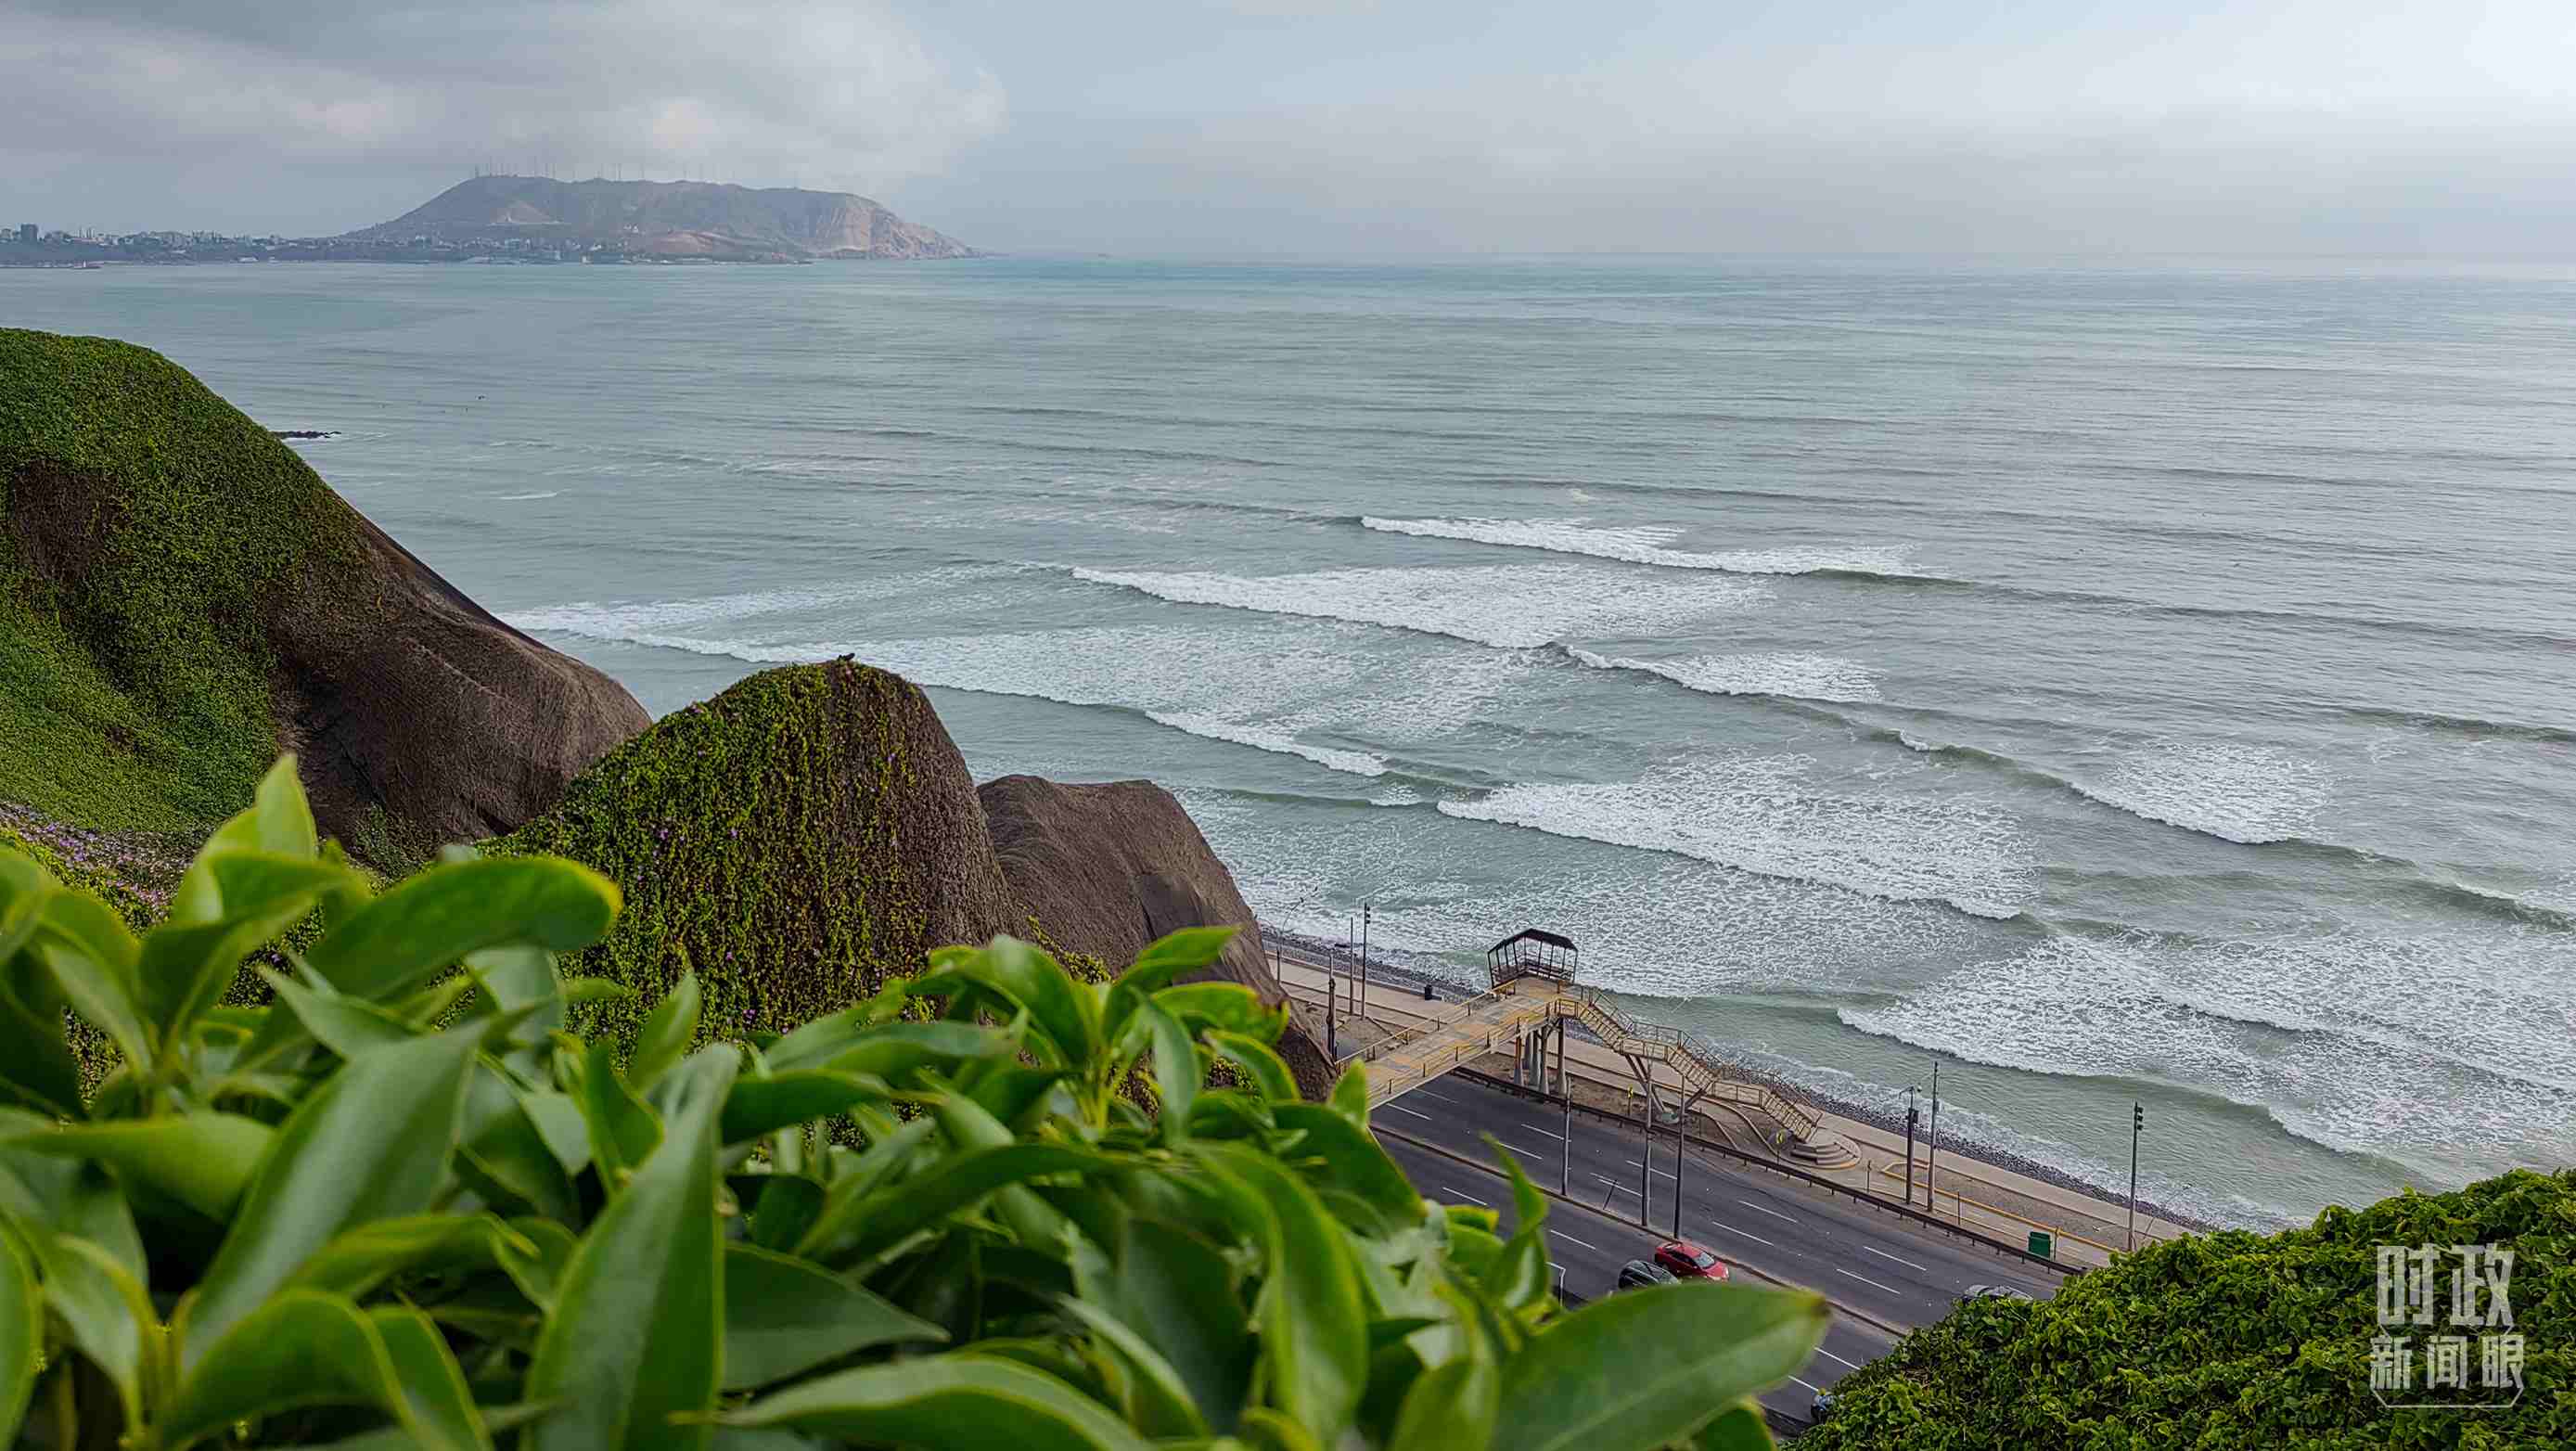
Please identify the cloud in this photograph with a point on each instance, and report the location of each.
(770, 91)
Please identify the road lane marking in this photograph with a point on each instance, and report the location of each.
(1760, 1209)
(1417, 1113)
(1524, 1148)
(1866, 1280)
(1748, 1234)
(1633, 1164)
(1570, 1239)
(1810, 1385)
(1613, 1183)
(1463, 1194)
(1551, 1133)
(1829, 1355)
(1882, 1254)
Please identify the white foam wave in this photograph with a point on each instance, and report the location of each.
(1511, 607)
(1764, 814)
(2456, 1051)
(1650, 544)
(1218, 728)
(524, 498)
(1266, 692)
(631, 620)
(2240, 792)
(1806, 677)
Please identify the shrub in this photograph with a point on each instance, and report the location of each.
(2234, 1339)
(409, 1204)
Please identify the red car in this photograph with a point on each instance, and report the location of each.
(1688, 1261)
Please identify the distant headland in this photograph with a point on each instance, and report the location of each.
(539, 219)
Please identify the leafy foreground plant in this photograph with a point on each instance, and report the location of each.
(406, 1205)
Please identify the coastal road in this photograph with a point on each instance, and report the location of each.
(1588, 1247)
(1879, 1264)
(1875, 1266)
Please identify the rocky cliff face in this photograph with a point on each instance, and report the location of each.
(812, 832)
(798, 839)
(673, 218)
(181, 598)
(1108, 868)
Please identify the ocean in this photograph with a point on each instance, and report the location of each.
(2146, 683)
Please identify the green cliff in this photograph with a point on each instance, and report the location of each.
(2230, 1340)
(181, 598)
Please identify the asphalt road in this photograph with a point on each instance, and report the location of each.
(1885, 1268)
(1588, 1247)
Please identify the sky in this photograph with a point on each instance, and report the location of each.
(1331, 127)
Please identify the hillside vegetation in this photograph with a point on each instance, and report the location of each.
(180, 597)
(2233, 1340)
(144, 525)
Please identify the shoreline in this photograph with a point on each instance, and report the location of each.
(1986, 1154)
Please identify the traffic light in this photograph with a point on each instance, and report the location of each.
(2137, 1118)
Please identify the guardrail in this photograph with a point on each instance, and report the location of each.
(1791, 1171)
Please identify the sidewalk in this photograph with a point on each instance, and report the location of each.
(2086, 1229)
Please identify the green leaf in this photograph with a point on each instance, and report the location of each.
(366, 1255)
(22, 1330)
(303, 1348)
(1684, 1352)
(634, 1342)
(104, 1306)
(1177, 1291)
(1062, 1009)
(1451, 1404)
(1350, 1094)
(1314, 1330)
(788, 1207)
(1158, 1400)
(1226, 1005)
(1178, 1074)
(35, 1062)
(954, 1402)
(838, 1223)
(24, 886)
(372, 1142)
(665, 1035)
(886, 1215)
(760, 1106)
(1172, 954)
(1337, 1154)
(1739, 1427)
(508, 1149)
(623, 1130)
(784, 1316)
(1268, 1073)
(347, 1026)
(440, 1408)
(92, 958)
(202, 1160)
(440, 916)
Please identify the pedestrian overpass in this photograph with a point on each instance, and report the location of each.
(1531, 997)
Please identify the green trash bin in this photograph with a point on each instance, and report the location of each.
(2043, 1244)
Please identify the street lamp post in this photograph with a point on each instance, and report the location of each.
(1364, 936)
(2137, 1126)
(1932, 1141)
(1912, 1116)
(1681, 1142)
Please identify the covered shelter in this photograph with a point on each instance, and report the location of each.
(1530, 952)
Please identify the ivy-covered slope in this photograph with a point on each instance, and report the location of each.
(798, 839)
(2235, 1340)
(180, 596)
(144, 526)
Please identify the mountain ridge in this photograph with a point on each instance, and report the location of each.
(717, 220)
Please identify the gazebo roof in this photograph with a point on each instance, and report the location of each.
(1534, 934)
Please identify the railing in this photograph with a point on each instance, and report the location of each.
(1671, 1046)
